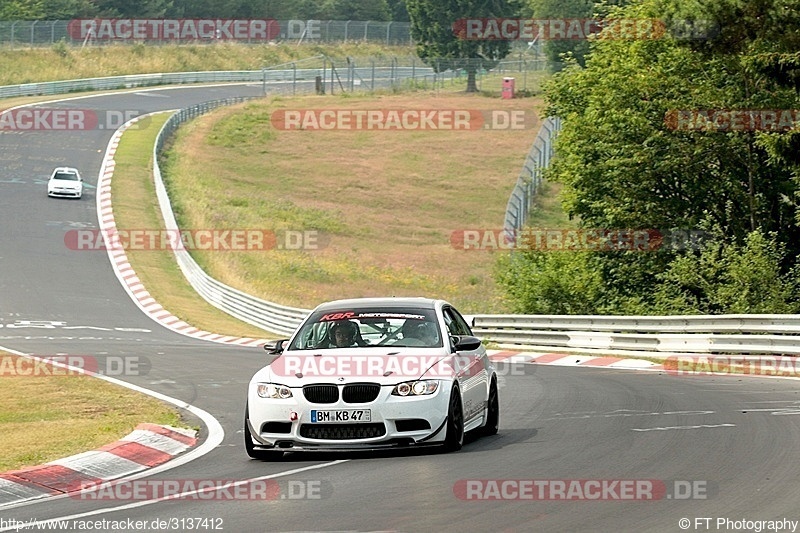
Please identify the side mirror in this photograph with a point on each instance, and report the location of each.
(275, 347)
(466, 343)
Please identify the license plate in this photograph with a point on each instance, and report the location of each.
(340, 415)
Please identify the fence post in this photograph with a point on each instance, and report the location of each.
(33, 25)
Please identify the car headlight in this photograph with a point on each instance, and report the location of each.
(416, 388)
(273, 390)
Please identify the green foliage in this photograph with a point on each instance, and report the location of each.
(277, 9)
(358, 9)
(729, 278)
(560, 9)
(554, 283)
(625, 163)
(61, 49)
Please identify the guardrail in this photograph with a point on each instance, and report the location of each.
(264, 76)
(261, 313)
(770, 334)
(530, 178)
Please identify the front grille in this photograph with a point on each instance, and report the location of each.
(342, 431)
(321, 393)
(360, 392)
(412, 424)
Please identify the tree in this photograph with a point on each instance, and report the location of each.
(438, 45)
(358, 10)
(45, 9)
(627, 162)
(398, 10)
(559, 9)
(128, 9)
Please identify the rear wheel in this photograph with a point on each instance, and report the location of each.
(454, 438)
(492, 424)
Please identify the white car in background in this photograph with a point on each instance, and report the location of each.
(372, 373)
(65, 182)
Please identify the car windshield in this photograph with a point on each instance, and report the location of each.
(69, 176)
(348, 328)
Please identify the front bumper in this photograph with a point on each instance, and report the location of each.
(395, 422)
(66, 193)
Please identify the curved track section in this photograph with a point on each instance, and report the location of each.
(736, 439)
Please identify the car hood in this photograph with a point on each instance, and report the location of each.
(385, 365)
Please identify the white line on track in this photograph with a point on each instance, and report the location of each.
(702, 426)
(170, 498)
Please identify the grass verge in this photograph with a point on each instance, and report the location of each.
(136, 208)
(67, 62)
(385, 202)
(47, 417)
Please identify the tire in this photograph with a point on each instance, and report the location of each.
(492, 425)
(454, 438)
(249, 445)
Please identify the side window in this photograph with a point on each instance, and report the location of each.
(455, 322)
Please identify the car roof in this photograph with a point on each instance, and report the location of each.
(68, 170)
(391, 302)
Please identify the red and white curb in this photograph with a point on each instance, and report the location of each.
(147, 446)
(561, 359)
(122, 267)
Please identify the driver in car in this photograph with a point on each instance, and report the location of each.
(344, 334)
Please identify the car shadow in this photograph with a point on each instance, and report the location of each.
(473, 443)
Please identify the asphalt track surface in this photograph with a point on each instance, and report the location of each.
(735, 439)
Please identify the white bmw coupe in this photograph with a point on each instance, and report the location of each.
(372, 373)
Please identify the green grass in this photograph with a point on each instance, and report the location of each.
(66, 62)
(70, 414)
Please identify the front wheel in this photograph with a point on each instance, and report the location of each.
(492, 424)
(454, 438)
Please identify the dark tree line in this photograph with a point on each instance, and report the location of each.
(380, 10)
